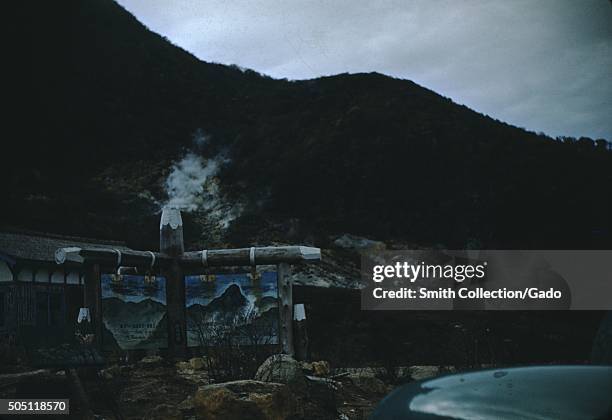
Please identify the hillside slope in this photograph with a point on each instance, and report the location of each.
(109, 106)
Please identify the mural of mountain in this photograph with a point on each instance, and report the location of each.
(360, 153)
(230, 310)
(133, 325)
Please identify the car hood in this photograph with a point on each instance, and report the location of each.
(538, 393)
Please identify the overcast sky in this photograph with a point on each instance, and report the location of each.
(545, 65)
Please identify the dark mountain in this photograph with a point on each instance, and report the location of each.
(231, 300)
(116, 309)
(267, 303)
(105, 106)
(227, 306)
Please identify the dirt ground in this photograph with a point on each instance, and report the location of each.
(163, 390)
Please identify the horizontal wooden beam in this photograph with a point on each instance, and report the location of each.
(251, 256)
(112, 257)
(12, 379)
(195, 259)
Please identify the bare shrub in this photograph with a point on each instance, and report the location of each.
(234, 346)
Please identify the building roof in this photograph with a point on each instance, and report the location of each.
(37, 246)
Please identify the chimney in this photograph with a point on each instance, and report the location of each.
(171, 232)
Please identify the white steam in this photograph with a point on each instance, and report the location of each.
(187, 182)
(193, 186)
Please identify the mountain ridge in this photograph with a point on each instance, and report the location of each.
(115, 105)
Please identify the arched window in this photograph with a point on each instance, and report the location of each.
(72, 278)
(6, 275)
(25, 275)
(57, 277)
(42, 276)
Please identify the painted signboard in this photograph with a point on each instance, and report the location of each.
(236, 305)
(134, 312)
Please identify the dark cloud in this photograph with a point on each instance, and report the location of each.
(544, 65)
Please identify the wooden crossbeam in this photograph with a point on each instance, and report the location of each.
(251, 256)
(112, 257)
(192, 259)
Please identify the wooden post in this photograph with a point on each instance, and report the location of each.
(171, 232)
(300, 332)
(285, 298)
(171, 244)
(93, 300)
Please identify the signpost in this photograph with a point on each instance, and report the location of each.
(174, 263)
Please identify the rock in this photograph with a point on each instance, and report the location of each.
(246, 399)
(307, 367)
(111, 372)
(368, 384)
(193, 371)
(320, 368)
(183, 366)
(319, 399)
(124, 370)
(197, 377)
(280, 368)
(348, 241)
(164, 412)
(151, 360)
(423, 372)
(187, 404)
(197, 363)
